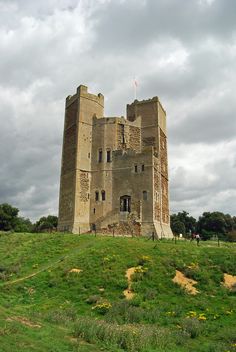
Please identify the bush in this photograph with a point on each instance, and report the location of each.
(102, 307)
(144, 259)
(192, 327)
(231, 236)
(61, 316)
(131, 338)
(93, 299)
(150, 294)
(126, 313)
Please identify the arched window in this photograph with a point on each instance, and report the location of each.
(100, 155)
(103, 195)
(144, 195)
(97, 196)
(108, 155)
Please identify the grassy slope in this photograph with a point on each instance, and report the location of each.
(56, 299)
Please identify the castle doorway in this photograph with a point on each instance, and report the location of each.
(125, 204)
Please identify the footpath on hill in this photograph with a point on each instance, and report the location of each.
(44, 268)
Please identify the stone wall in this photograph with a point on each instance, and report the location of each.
(127, 181)
(66, 205)
(135, 138)
(164, 178)
(165, 205)
(121, 140)
(84, 186)
(69, 145)
(156, 190)
(163, 154)
(67, 185)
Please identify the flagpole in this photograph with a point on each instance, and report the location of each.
(135, 97)
(135, 88)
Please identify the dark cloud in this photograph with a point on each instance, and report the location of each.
(131, 25)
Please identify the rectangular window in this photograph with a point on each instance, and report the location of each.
(103, 195)
(142, 167)
(125, 204)
(123, 133)
(108, 156)
(144, 195)
(100, 155)
(136, 168)
(97, 196)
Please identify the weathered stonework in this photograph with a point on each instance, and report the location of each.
(114, 170)
(84, 186)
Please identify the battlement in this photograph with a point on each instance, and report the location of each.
(107, 120)
(116, 120)
(82, 91)
(146, 101)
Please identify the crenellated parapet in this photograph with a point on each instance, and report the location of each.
(82, 91)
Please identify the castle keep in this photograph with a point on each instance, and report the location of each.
(113, 168)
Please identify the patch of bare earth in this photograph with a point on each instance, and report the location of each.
(72, 339)
(184, 282)
(75, 270)
(230, 282)
(128, 292)
(24, 321)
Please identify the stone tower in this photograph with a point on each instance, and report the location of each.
(114, 167)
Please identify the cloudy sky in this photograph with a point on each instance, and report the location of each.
(183, 51)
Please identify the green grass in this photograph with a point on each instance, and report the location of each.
(87, 311)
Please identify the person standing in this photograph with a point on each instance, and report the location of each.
(197, 238)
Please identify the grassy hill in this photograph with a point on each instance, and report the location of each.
(48, 304)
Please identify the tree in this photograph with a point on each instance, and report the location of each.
(231, 236)
(47, 224)
(8, 217)
(182, 223)
(23, 225)
(178, 228)
(215, 223)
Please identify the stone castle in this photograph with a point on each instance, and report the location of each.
(113, 168)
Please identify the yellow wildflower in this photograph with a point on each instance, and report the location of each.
(191, 314)
(202, 316)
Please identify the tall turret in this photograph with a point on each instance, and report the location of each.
(80, 110)
(153, 132)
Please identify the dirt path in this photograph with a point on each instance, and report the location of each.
(128, 292)
(51, 265)
(29, 275)
(24, 321)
